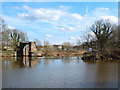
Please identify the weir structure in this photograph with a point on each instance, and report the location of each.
(27, 49)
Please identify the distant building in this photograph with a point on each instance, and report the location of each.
(58, 47)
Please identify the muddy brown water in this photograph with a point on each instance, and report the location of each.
(62, 72)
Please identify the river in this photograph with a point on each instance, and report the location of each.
(62, 72)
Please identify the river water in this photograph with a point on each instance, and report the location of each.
(62, 72)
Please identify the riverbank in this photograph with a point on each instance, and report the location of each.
(70, 53)
(95, 55)
(8, 54)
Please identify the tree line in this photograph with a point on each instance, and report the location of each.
(10, 37)
(106, 38)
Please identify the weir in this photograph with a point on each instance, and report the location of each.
(26, 49)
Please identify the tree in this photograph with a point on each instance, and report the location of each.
(114, 42)
(4, 34)
(5, 38)
(116, 36)
(48, 49)
(16, 37)
(78, 42)
(103, 31)
(67, 45)
(10, 37)
(89, 37)
(38, 44)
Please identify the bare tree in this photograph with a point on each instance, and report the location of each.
(103, 30)
(78, 42)
(38, 44)
(67, 46)
(4, 34)
(48, 49)
(10, 37)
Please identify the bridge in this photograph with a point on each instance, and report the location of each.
(26, 49)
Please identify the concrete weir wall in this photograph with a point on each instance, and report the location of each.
(27, 49)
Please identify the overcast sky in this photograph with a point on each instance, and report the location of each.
(57, 22)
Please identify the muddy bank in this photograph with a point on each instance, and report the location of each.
(8, 54)
(95, 55)
(51, 53)
(67, 53)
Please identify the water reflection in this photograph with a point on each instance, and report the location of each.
(107, 73)
(23, 62)
(101, 73)
(71, 59)
(59, 72)
(19, 62)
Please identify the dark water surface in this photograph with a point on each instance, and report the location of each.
(66, 72)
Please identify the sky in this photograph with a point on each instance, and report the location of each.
(60, 0)
(57, 22)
